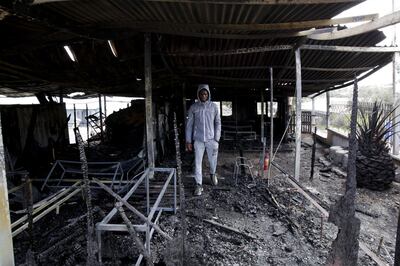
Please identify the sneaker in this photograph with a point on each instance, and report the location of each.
(198, 190)
(214, 179)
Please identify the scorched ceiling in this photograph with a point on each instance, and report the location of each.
(224, 43)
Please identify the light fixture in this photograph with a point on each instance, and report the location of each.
(74, 94)
(70, 53)
(112, 47)
(138, 79)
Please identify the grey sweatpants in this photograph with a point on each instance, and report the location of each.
(211, 146)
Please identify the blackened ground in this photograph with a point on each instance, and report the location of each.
(292, 234)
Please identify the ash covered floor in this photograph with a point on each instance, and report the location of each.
(291, 234)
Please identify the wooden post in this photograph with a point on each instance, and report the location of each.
(61, 96)
(298, 115)
(313, 153)
(262, 117)
(184, 103)
(87, 124)
(271, 109)
(148, 101)
(397, 252)
(396, 102)
(74, 116)
(105, 106)
(328, 107)
(313, 123)
(100, 118)
(262, 134)
(6, 242)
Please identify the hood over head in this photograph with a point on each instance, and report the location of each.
(203, 87)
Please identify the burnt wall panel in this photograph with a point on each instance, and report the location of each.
(31, 132)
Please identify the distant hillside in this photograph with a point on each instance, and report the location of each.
(368, 93)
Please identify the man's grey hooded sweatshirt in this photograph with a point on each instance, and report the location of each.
(204, 121)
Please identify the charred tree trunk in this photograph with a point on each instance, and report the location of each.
(345, 247)
(397, 254)
(181, 194)
(90, 240)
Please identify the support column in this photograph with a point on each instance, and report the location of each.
(101, 118)
(396, 102)
(313, 123)
(61, 96)
(298, 115)
(262, 117)
(263, 140)
(6, 244)
(87, 124)
(105, 106)
(271, 109)
(74, 116)
(184, 103)
(328, 109)
(149, 100)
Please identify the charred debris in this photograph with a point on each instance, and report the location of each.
(97, 202)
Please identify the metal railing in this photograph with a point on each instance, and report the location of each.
(45, 206)
(150, 219)
(115, 170)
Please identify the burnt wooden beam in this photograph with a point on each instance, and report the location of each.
(266, 79)
(295, 25)
(230, 36)
(379, 23)
(250, 50)
(271, 129)
(274, 48)
(353, 49)
(321, 69)
(148, 101)
(299, 82)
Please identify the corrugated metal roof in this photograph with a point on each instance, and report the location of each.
(33, 59)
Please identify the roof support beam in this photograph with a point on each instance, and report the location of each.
(234, 51)
(233, 2)
(355, 49)
(161, 25)
(277, 81)
(189, 33)
(263, 49)
(379, 23)
(321, 69)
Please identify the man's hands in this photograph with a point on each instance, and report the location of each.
(189, 146)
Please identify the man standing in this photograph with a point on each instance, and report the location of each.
(204, 128)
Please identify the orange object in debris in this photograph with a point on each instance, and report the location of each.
(266, 162)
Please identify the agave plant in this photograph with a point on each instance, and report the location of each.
(375, 167)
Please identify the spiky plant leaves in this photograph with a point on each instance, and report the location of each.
(375, 167)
